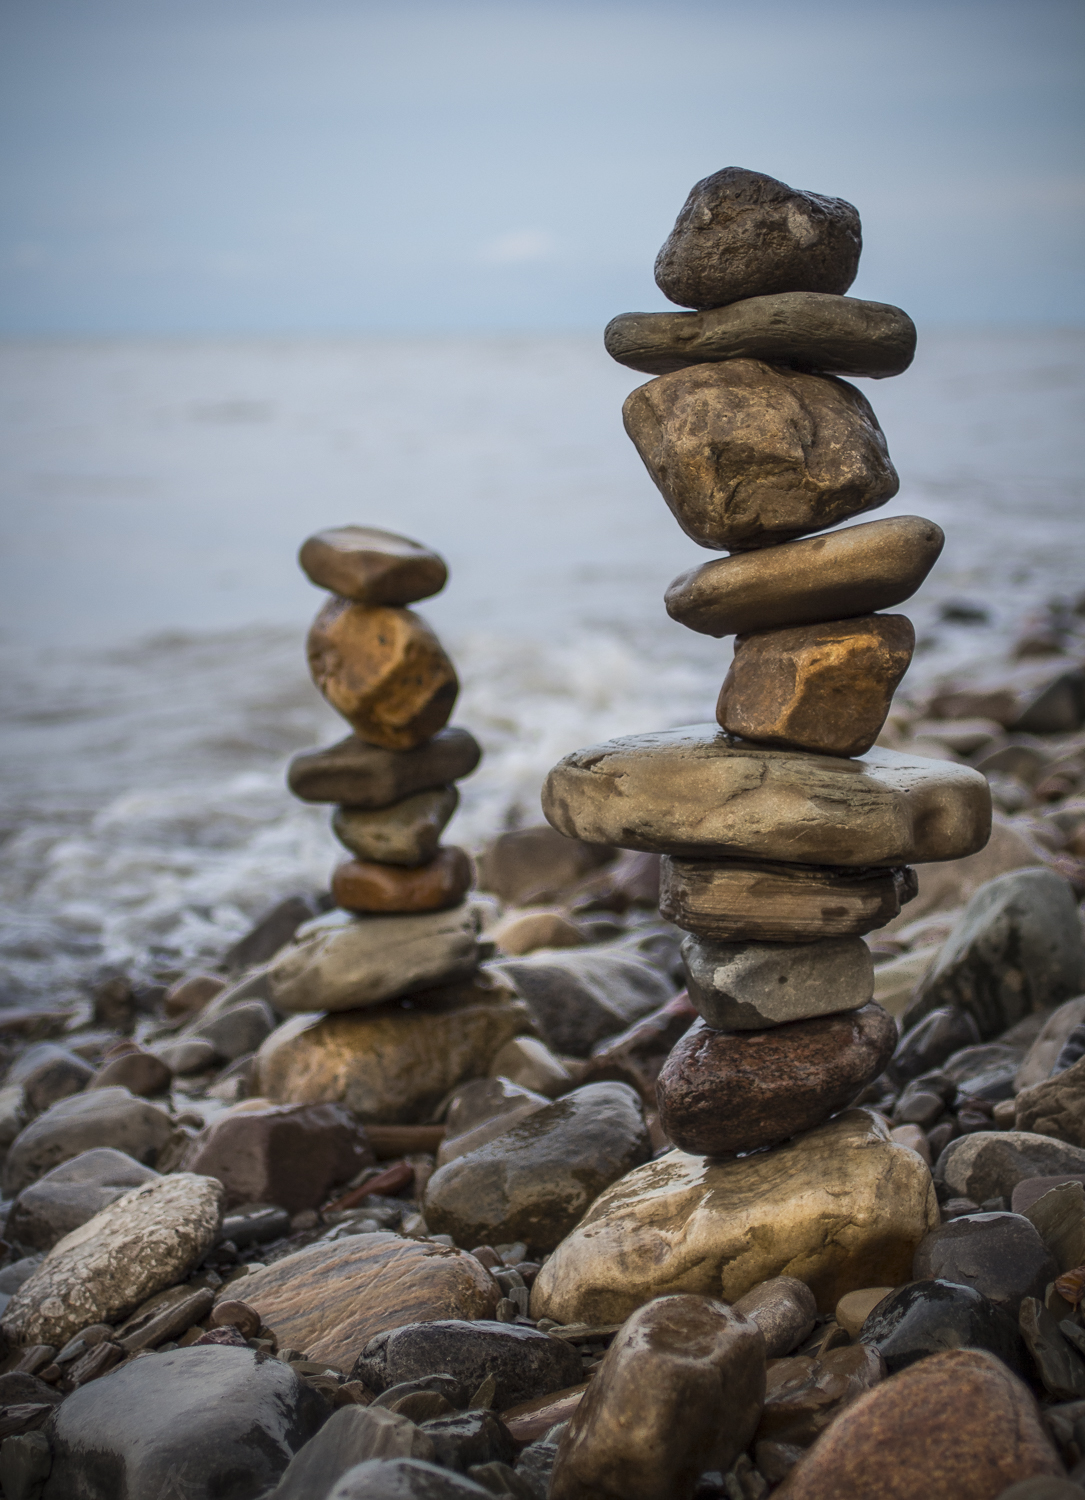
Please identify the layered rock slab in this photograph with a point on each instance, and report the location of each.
(367, 776)
(370, 566)
(748, 986)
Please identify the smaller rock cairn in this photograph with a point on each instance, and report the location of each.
(785, 834)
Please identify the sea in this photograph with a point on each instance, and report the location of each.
(153, 618)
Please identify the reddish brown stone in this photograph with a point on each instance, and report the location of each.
(364, 885)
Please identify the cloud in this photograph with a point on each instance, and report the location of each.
(518, 247)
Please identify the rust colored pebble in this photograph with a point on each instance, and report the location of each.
(364, 885)
(239, 1315)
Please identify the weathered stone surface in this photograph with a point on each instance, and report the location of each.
(990, 1163)
(748, 986)
(745, 234)
(404, 1479)
(748, 455)
(529, 865)
(1017, 948)
(187, 1055)
(393, 1065)
(784, 1309)
(851, 572)
(463, 1439)
(968, 1426)
(346, 963)
(1000, 1254)
(1044, 1052)
(839, 1208)
(72, 1193)
(1057, 1362)
(371, 566)
(930, 1042)
(694, 794)
(804, 1395)
(270, 931)
(352, 1435)
(1058, 1215)
(1056, 1107)
(197, 1418)
(535, 1181)
(138, 1071)
(722, 1092)
(679, 1391)
(483, 1109)
(825, 688)
(407, 833)
(579, 996)
(100, 1117)
(366, 776)
(367, 886)
(133, 1248)
(48, 1073)
(384, 670)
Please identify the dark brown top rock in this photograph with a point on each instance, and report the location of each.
(372, 566)
(363, 775)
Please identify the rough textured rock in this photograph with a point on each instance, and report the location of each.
(724, 1092)
(134, 1247)
(969, 1426)
(927, 1317)
(806, 330)
(352, 1435)
(1058, 1214)
(851, 572)
(1056, 1360)
(72, 1193)
(580, 996)
(392, 1065)
(747, 454)
(990, 1163)
(784, 1309)
(691, 793)
(371, 566)
(804, 1395)
(404, 1479)
(1044, 1051)
(366, 776)
(745, 234)
(1000, 1254)
(203, 1418)
(825, 688)
(407, 833)
(347, 963)
(679, 1391)
(331, 1299)
(839, 1208)
(854, 1308)
(100, 1117)
(370, 886)
(529, 865)
(946, 887)
(537, 1179)
(1056, 1107)
(748, 986)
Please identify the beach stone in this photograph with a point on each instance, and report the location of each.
(99, 1117)
(825, 688)
(693, 794)
(189, 995)
(968, 1425)
(528, 865)
(72, 1193)
(352, 1435)
(946, 888)
(463, 1439)
(100, 1272)
(1058, 1363)
(927, 1317)
(47, 1073)
(530, 1064)
(805, 330)
(1058, 1215)
(1000, 1254)
(187, 1056)
(839, 1208)
(329, 1300)
(636, 1055)
(679, 1391)
(358, 961)
(724, 1092)
(748, 454)
(138, 1071)
(483, 1109)
(523, 1361)
(580, 996)
(990, 1163)
(406, 834)
(1046, 1049)
(744, 234)
(1055, 1108)
(784, 1309)
(366, 886)
(804, 1395)
(291, 1155)
(370, 566)
(362, 775)
(524, 932)
(395, 1064)
(534, 1182)
(856, 571)
(238, 1031)
(166, 1315)
(931, 1041)
(404, 1479)
(854, 1308)
(201, 1417)
(749, 986)
(384, 670)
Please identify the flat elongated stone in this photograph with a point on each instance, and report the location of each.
(693, 793)
(805, 330)
(749, 986)
(826, 688)
(364, 885)
(852, 572)
(407, 833)
(384, 670)
(748, 455)
(372, 566)
(365, 776)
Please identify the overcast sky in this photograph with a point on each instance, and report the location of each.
(293, 165)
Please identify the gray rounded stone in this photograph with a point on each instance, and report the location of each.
(750, 986)
(99, 1117)
(990, 1163)
(1000, 1254)
(579, 997)
(72, 1193)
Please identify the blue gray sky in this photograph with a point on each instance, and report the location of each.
(185, 166)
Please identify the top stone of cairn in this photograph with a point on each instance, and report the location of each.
(744, 234)
(371, 566)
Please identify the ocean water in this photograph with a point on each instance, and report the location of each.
(153, 619)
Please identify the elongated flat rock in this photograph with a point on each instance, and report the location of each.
(694, 793)
(372, 566)
(805, 330)
(362, 775)
(851, 572)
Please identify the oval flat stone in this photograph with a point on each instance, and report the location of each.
(721, 1092)
(693, 792)
(749, 986)
(366, 776)
(927, 1317)
(407, 833)
(371, 566)
(366, 885)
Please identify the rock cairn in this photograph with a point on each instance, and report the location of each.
(785, 834)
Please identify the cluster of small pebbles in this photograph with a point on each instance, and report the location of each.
(724, 1139)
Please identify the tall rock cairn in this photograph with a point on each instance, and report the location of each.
(785, 834)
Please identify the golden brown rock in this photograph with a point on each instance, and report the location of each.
(372, 566)
(384, 670)
(365, 885)
(825, 688)
(748, 455)
(852, 572)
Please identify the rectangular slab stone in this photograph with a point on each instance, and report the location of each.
(362, 775)
(695, 793)
(751, 986)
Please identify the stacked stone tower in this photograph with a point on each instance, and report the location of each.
(785, 834)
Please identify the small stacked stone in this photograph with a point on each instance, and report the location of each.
(785, 834)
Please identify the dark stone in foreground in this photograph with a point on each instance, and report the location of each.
(579, 997)
(1000, 1254)
(362, 775)
(405, 1479)
(927, 1317)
